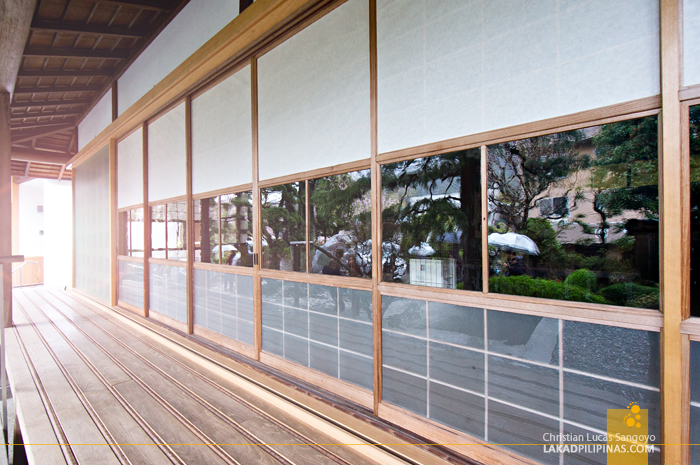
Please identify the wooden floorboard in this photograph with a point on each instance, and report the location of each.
(96, 390)
(217, 395)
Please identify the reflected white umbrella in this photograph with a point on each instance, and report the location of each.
(514, 242)
(423, 251)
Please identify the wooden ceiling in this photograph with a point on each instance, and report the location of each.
(75, 51)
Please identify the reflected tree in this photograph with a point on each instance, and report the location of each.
(435, 200)
(284, 222)
(521, 171)
(624, 174)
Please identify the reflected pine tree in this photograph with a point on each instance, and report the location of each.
(435, 201)
(284, 226)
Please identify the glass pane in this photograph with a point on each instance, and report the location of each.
(341, 225)
(206, 230)
(123, 226)
(176, 231)
(237, 229)
(575, 215)
(131, 283)
(135, 233)
(158, 231)
(634, 356)
(284, 227)
(695, 210)
(431, 221)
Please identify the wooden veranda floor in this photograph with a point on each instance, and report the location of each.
(94, 386)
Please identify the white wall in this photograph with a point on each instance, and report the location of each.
(96, 121)
(58, 234)
(198, 22)
(31, 195)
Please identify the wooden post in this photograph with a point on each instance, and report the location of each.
(257, 213)
(6, 206)
(671, 226)
(376, 183)
(190, 216)
(113, 230)
(146, 225)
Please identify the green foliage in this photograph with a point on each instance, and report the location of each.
(583, 278)
(626, 294)
(625, 172)
(552, 256)
(545, 288)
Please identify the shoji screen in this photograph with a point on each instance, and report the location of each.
(222, 154)
(314, 95)
(167, 173)
(91, 178)
(130, 170)
(454, 68)
(691, 42)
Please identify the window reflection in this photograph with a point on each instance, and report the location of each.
(158, 231)
(176, 236)
(574, 215)
(284, 226)
(340, 225)
(168, 231)
(223, 229)
(694, 210)
(207, 246)
(431, 221)
(236, 229)
(131, 233)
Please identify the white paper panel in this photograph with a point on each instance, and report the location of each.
(167, 170)
(450, 68)
(691, 42)
(92, 272)
(222, 150)
(314, 95)
(130, 170)
(96, 120)
(198, 22)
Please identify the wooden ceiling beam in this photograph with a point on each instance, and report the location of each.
(43, 132)
(39, 156)
(52, 89)
(40, 114)
(75, 53)
(17, 126)
(45, 103)
(143, 4)
(82, 28)
(64, 72)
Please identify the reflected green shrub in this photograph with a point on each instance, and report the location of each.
(545, 288)
(584, 279)
(632, 295)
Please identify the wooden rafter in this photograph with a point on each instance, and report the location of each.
(83, 28)
(75, 53)
(34, 133)
(52, 89)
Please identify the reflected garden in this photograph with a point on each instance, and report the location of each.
(584, 208)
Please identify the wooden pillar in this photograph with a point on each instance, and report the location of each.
(6, 205)
(146, 226)
(671, 226)
(113, 232)
(257, 213)
(190, 216)
(376, 183)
